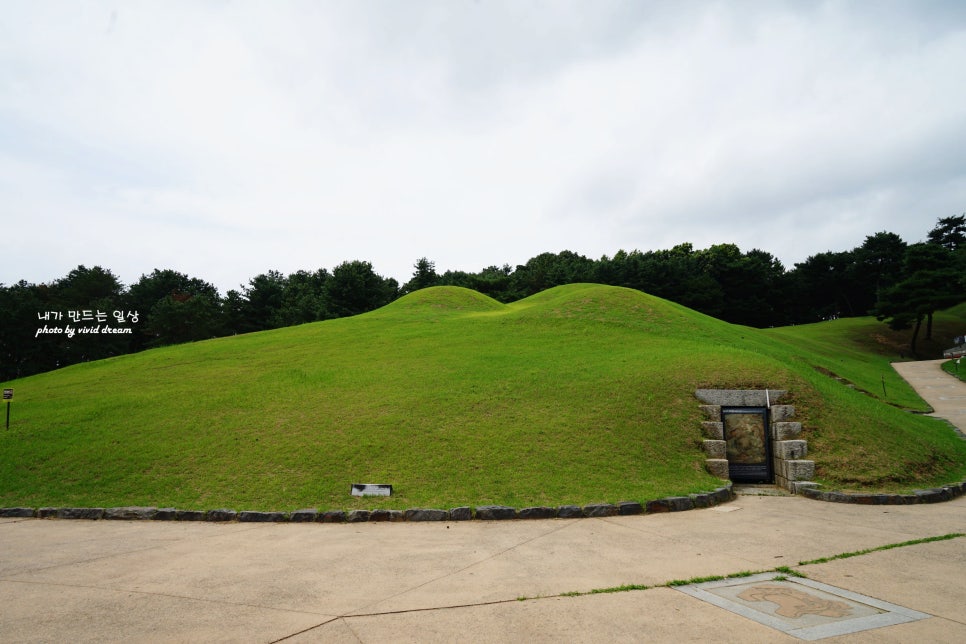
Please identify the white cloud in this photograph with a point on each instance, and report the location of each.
(226, 139)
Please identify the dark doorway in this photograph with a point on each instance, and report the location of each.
(748, 444)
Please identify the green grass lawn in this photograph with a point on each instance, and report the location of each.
(957, 369)
(860, 351)
(580, 394)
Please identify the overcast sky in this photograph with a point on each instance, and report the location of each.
(224, 139)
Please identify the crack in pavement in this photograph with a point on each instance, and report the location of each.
(355, 613)
(667, 584)
(148, 593)
(458, 571)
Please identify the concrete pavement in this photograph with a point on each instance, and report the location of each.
(182, 581)
(502, 581)
(944, 393)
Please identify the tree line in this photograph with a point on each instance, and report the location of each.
(900, 283)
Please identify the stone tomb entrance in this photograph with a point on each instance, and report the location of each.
(750, 438)
(747, 444)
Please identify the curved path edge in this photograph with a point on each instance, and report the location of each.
(720, 495)
(946, 395)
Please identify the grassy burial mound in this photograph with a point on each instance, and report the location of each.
(582, 393)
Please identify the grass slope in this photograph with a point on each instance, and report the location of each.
(860, 350)
(578, 394)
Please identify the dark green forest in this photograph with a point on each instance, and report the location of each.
(89, 314)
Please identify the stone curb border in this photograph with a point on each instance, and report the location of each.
(932, 495)
(466, 513)
(482, 513)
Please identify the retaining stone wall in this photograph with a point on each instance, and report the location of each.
(483, 513)
(933, 495)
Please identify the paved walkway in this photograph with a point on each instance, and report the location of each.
(100, 581)
(944, 393)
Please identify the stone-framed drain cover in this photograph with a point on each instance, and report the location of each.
(806, 609)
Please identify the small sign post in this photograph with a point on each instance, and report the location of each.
(8, 397)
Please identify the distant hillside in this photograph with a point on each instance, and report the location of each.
(578, 394)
